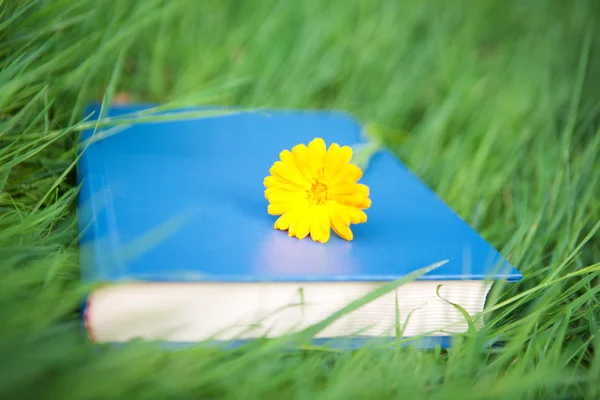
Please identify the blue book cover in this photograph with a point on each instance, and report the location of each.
(175, 212)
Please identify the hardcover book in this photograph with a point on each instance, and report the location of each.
(180, 235)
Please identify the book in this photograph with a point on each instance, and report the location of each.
(176, 237)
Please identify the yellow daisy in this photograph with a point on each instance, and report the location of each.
(315, 189)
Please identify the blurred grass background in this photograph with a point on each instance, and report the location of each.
(494, 104)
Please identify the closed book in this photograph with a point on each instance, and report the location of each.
(176, 236)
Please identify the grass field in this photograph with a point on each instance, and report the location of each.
(496, 105)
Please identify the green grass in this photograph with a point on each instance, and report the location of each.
(496, 105)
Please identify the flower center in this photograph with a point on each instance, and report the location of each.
(317, 194)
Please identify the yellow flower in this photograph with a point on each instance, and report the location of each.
(315, 189)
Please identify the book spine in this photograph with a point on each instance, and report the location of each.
(86, 324)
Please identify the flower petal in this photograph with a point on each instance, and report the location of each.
(353, 200)
(349, 214)
(339, 221)
(301, 158)
(365, 204)
(301, 227)
(336, 157)
(320, 228)
(277, 195)
(288, 173)
(316, 154)
(273, 182)
(348, 172)
(278, 208)
(286, 219)
(342, 188)
(356, 215)
(332, 164)
(297, 214)
(287, 157)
